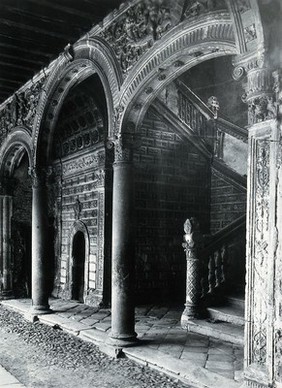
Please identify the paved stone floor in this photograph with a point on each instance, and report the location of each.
(7, 380)
(195, 359)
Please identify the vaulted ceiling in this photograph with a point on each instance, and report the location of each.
(34, 32)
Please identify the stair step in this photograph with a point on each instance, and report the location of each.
(236, 301)
(219, 330)
(234, 314)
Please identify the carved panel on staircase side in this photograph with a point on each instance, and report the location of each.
(136, 30)
(261, 227)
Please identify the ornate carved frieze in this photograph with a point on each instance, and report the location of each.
(195, 8)
(21, 109)
(84, 162)
(137, 30)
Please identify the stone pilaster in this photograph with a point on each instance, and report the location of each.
(40, 243)
(192, 242)
(6, 279)
(122, 333)
(261, 229)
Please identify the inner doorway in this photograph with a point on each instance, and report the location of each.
(78, 263)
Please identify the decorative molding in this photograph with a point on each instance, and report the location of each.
(83, 162)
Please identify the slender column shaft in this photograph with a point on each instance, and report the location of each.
(122, 255)
(39, 287)
(192, 240)
(6, 214)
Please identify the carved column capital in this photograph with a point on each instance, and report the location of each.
(38, 176)
(123, 149)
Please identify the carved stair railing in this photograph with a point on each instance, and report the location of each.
(215, 269)
(194, 112)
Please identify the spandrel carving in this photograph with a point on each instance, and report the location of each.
(135, 32)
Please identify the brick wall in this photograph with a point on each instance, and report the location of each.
(80, 199)
(171, 184)
(227, 203)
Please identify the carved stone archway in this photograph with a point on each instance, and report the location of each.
(15, 267)
(85, 58)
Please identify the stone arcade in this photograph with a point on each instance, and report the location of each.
(133, 129)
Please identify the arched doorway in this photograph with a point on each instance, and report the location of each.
(78, 264)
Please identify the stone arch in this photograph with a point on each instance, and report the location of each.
(182, 48)
(12, 149)
(85, 58)
(78, 226)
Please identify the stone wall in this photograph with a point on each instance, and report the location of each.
(78, 196)
(227, 203)
(171, 184)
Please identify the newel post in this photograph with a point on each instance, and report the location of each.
(192, 242)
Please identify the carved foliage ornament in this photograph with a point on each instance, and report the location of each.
(22, 109)
(135, 31)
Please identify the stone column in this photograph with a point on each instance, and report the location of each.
(6, 281)
(123, 320)
(40, 249)
(193, 240)
(261, 229)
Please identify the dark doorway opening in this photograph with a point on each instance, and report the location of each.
(78, 257)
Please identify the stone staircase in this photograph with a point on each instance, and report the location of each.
(216, 138)
(224, 322)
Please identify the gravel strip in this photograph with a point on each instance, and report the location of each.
(72, 356)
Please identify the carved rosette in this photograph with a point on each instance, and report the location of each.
(191, 245)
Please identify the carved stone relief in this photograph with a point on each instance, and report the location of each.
(135, 31)
(243, 5)
(22, 109)
(194, 8)
(261, 251)
(250, 33)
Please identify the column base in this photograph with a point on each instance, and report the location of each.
(189, 314)
(35, 311)
(122, 340)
